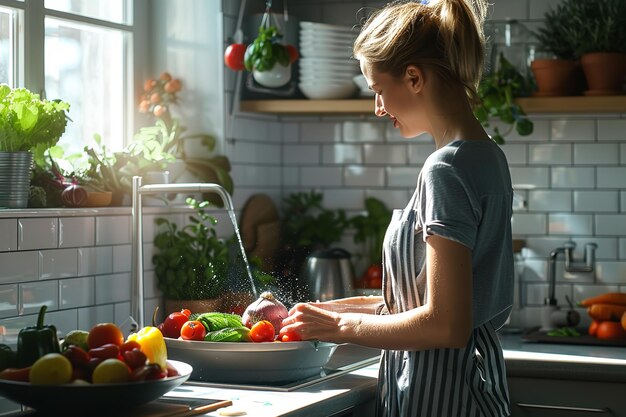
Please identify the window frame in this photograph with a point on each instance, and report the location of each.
(29, 64)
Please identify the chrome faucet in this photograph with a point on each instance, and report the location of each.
(588, 261)
(552, 316)
(137, 296)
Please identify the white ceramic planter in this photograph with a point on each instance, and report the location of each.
(278, 76)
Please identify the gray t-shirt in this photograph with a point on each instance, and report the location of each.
(465, 194)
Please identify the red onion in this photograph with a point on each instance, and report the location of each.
(74, 195)
(266, 307)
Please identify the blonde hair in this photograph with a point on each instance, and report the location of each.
(446, 34)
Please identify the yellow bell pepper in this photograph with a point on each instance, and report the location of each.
(152, 345)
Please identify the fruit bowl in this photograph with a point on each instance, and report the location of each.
(247, 362)
(92, 399)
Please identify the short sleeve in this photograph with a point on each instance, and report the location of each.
(446, 205)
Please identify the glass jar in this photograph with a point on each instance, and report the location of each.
(514, 41)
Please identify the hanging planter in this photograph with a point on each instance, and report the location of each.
(267, 57)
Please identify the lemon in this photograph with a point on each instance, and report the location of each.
(51, 369)
(110, 371)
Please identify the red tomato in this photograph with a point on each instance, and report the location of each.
(290, 337)
(186, 312)
(108, 351)
(593, 327)
(104, 333)
(148, 372)
(233, 56)
(293, 53)
(373, 277)
(611, 330)
(134, 358)
(173, 324)
(193, 330)
(77, 356)
(129, 345)
(262, 331)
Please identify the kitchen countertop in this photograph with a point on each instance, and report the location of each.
(357, 389)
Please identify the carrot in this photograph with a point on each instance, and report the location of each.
(606, 312)
(618, 298)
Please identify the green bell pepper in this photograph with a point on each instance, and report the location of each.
(7, 357)
(34, 342)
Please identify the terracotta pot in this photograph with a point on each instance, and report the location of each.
(98, 199)
(557, 77)
(605, 73)
(196, 306)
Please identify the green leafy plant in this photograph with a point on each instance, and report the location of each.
(266, 50)
(371, 227)
(192, 262)
(497, 92)
(574, 28)
(29, 123)
(307, 224)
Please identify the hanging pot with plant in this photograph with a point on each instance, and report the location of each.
(267, 57)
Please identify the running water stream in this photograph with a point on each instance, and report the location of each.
(233, 219)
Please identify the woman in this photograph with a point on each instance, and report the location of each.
(447, 258)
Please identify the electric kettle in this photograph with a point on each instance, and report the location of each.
(329, 274)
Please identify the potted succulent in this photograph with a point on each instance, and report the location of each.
(191, 263)
(497, 92)
(559, 72)
(28, 126)
(370, 231)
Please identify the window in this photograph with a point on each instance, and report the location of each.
(79, 51)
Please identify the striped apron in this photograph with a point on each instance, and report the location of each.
(441, 382)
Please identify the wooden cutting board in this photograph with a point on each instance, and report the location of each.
(260, 229)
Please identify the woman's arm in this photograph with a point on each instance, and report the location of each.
(361, 304)
(445, 320)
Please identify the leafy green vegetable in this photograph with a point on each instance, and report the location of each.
(228, 334)
(214, 321)
(564, 331)
(28, 123)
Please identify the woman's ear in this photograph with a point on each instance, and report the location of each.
(414, 78)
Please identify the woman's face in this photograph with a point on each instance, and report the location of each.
(396, 99)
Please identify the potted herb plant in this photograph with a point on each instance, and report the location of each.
(157, 146)
(28, 126)
(191, 263)
(596, 31)
(370, 231)
(268, 58)
(559, 72)
(497, 92)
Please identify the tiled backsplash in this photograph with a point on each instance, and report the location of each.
(570, 173)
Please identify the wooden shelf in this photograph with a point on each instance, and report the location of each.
(575, 104)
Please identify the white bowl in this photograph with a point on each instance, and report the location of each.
(313, 73)
(323, 80)
(326, 53)
(321, 64)
(320, 91)
(361, 83)
(325, 27)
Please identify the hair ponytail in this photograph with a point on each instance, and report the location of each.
(447, 34)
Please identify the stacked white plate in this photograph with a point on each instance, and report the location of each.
(327, 66)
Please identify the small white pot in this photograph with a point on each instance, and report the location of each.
(278, 76)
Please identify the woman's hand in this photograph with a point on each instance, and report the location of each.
(313, 321)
